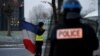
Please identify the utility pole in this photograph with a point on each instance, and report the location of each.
(59, 14)
(54, 11)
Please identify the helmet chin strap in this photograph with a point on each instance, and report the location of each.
(72, 15)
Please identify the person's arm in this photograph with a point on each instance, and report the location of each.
(92, 39)
(40, 31)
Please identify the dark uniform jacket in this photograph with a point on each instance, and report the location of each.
(74, 47)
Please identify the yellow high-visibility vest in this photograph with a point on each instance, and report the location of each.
(39, 38)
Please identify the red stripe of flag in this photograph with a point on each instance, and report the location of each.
(29, 45)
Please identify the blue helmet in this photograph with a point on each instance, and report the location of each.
(71, 5)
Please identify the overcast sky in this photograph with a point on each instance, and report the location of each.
(29, 4)
(86, 4)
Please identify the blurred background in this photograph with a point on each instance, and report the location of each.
(34, 11)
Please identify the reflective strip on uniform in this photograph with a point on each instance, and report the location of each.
(39, 37)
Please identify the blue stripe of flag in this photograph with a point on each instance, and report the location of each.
(28, 26)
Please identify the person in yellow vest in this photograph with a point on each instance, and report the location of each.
(39, 39)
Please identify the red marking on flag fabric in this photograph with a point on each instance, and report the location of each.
(29, 45)
(71, 33)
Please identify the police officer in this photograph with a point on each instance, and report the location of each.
(71, 37)
(39, 39)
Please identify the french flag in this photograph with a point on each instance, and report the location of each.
(29, 30)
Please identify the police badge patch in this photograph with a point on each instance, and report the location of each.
(71, 33)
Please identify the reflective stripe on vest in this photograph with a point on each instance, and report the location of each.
(39, 37)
